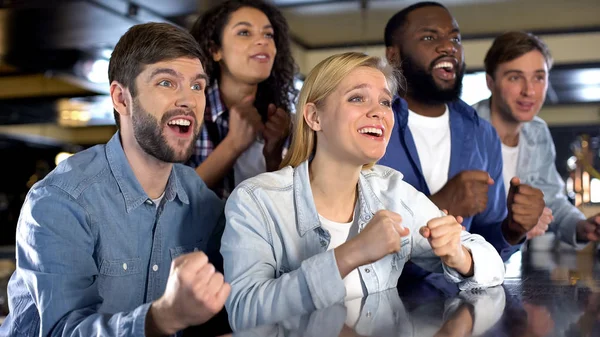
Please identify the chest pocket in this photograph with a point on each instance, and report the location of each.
(122, 267)
(181, 250)
(404, 253)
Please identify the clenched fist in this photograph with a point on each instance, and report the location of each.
(380, 237)
(466, 194)
(525, 206)
(195, 292)
(443, 234)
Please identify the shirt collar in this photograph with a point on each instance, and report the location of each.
(400, 108)
(215, 105)
(306, 211)
(133, 193)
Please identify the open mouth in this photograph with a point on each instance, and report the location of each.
(446, 66)
(180, 126)
(371, 132)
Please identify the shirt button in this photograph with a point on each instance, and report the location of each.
(369, 314)
(155, 267)
(149, 202)
(367, 270)
(124, 266)
(195, 249)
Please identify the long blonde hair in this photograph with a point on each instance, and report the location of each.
(319, 84)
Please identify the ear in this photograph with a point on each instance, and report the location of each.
(216, 52)
(490, 82)
(392, 54)
(119, 95)
(311, 117)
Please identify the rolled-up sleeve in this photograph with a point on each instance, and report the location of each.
(55, 245)
(251, 267)
(488, 268)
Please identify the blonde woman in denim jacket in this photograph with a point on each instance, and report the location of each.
(331, 226)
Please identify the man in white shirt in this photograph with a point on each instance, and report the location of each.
(517, 67)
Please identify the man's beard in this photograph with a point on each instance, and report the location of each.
(422, 87)
(149, 134)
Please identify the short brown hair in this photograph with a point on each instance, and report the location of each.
(145, 44)
(512, 45)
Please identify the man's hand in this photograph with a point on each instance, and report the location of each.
(466, 194)
(443, 235)
(276, 131)
(589, 230)
(525, 207)
(380, 237)
(542, 225)
(195, 292)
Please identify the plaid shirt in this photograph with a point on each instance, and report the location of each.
(216, 116)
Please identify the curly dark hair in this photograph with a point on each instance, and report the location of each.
(279, 87)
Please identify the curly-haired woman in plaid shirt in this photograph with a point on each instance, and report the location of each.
(250, 93)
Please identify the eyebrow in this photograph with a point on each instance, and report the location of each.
(246, 23)
(169, 71)
(365, 85)
(433, 30)
(520, 72)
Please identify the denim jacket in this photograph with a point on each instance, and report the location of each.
(93, 251)
(536, 167)
(275, 250)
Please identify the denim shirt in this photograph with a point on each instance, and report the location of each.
(93, 250)
(275, 250)
(536, 167)
(474, 146)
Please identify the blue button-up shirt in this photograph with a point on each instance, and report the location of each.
(475, 145)
(93, 251)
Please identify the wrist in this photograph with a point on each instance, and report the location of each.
(234, 147)
(159, 321)
(511, 235)
(347, 258)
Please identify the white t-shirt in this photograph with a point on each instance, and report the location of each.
(339, 234)
(510, 156)
(432, 139)
(251, 163)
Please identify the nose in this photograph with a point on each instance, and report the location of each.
(187, 99)
(377, 111)
(528, 89)
(446, 46)
(262, 40)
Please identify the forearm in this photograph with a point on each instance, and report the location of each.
(88, 322)
(258, 299)
(219, 163)
(465, 268)
(346, 258)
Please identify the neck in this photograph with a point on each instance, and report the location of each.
(508, 130)
(150, 172)
(427, 110)
(234, 91)
(334, 188)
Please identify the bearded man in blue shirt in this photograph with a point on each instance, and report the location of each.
(440, 144)
(116, 240)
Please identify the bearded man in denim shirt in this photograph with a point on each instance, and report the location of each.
(517, 67)
(440, 144)
(102, 240)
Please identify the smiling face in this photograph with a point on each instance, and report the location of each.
(355, 121)
(247, 50)
(166, 113)
(519, 87)
(431, 55)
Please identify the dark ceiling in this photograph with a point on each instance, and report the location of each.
(45, 44)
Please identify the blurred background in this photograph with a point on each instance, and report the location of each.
(54, 59)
